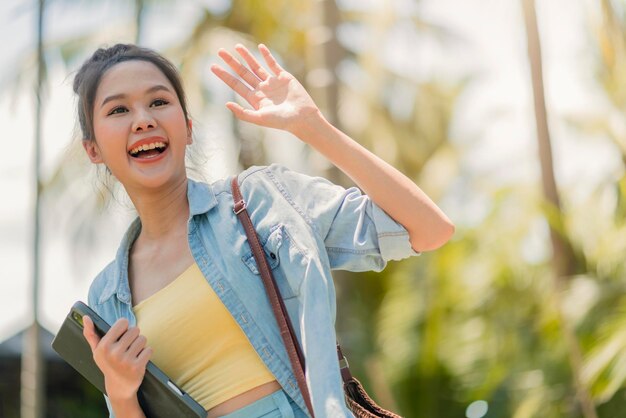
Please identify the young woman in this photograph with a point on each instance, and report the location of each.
(184, 271)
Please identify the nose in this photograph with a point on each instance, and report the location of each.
(143, 121)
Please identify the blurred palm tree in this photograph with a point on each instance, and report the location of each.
(604, 361)
(405, 120)
(489, 320)
(475, 320)
(33, 366)
(565, 261)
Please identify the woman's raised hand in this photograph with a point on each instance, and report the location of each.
(121, 355)
(278, 100)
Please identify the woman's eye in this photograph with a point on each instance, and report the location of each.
(159, 102)
(119, 109)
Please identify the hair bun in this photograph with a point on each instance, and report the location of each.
(105, 54)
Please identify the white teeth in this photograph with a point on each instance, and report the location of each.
(147, 147)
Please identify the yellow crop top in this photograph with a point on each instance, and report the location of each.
(197, 342)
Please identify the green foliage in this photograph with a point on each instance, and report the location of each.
(480, 318)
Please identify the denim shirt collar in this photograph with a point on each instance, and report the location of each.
(201, 199)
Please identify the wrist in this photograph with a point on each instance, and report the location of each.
(126, 406)
(122, 398)
(308, 125)
(117, 392)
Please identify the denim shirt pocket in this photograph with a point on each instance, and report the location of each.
(276, 246)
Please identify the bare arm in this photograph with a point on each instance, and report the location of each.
(396, 194)
(279, 101)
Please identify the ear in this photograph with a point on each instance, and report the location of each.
(189, 131)
(92, 150)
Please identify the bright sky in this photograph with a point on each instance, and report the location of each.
(494, 121)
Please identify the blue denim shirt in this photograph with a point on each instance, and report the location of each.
(308, 226)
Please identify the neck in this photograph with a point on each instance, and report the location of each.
(162, 212)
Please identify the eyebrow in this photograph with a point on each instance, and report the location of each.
(152, 89)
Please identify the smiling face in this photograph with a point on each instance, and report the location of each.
(140, 128)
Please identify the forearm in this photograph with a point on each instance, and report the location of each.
(395, 193)
(127, 408)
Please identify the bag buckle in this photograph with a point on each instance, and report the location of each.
(343, 363)
(239, 206)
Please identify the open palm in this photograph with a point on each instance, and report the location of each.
(278, 100)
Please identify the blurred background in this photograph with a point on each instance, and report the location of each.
(509, 114)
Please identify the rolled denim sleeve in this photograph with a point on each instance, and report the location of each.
(358, 235)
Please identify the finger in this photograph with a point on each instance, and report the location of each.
(252, 62)
(240, 69)
(271, 62)
(232, 82)
(246, 115)
(89, 333)
(129, 336)
(117, 330)
(137, 345)
(144, 356)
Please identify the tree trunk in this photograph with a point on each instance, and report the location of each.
(564, 260)
(33, 372)
(324, 54)
(139, 7)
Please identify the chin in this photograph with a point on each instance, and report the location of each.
(158, 181)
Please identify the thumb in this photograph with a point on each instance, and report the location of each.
(246, 115)
(89, 333)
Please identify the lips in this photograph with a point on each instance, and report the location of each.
(148, 148)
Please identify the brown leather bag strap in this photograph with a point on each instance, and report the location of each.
(344, 368)
(280, 312)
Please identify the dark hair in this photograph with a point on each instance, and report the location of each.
(90, 73)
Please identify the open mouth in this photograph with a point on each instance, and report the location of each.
(148, 151)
